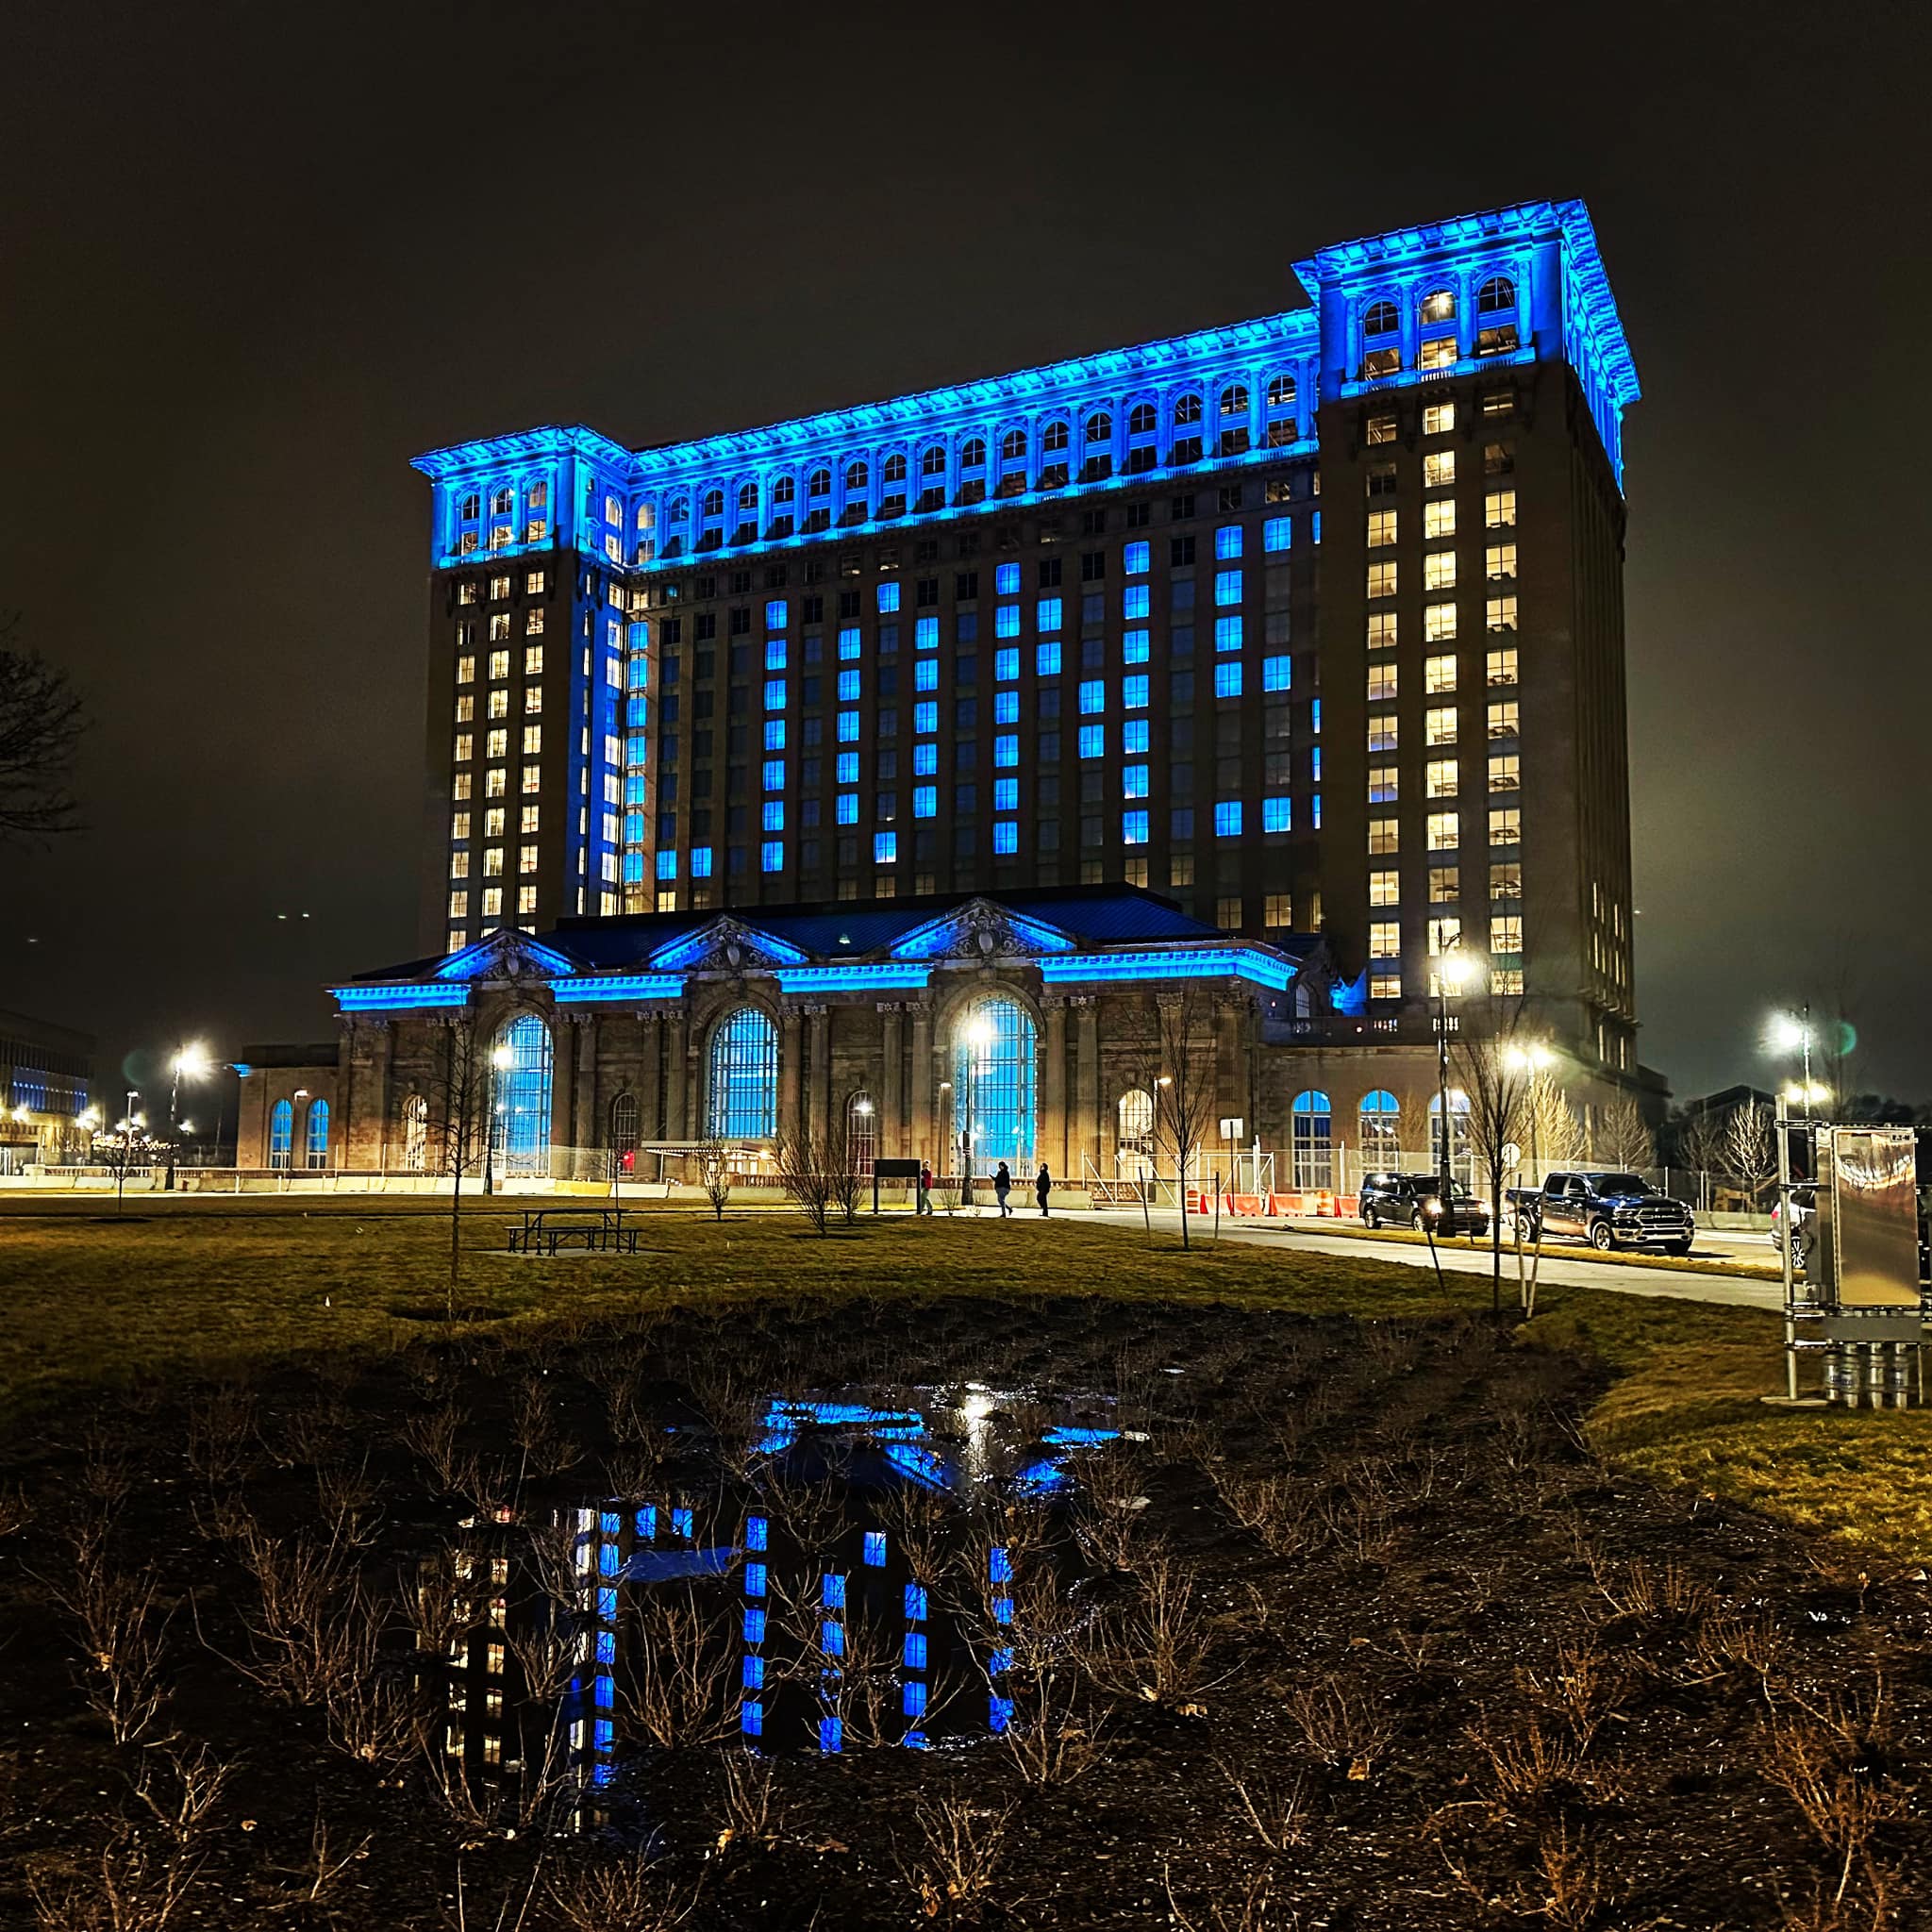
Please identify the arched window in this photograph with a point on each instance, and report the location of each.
(1380, 318)
(1312, 1138)
(1134, 1135)
(415, 1134)
(1380, 1132)
(679, 512)
(1054, 438)
(315, 1141)
(1461, 1157)
(784, 492)
(1438, 305)
(1234, 399)
(742, 1097)
(1013, 446)
(281, 1132)
(747, 499)
(647, 516)
(1188, 409)
(1100, 426)
(1141, 420)
(857, 478)
(818, 483)
(993, 1075)
(973, 453)
(1281, 392)
(1498, 292)
(861, 1134)
(714, 504)
(519, 1097)
(624, 1133)
(894, 471)
(932, 461)
(502, 501)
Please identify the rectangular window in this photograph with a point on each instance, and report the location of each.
(1277, 674)
(1134, 647)
(1135, 603)
(1505, 880)
(1439, 468)
(1093, 695)
(1499, 614)
(1385, 836)
(926, 720)
(1135, 558)
(925, 801)
(1381, 528)
(1439, 623)
(1277, 815)
(1046, 661)
(1094, 741)
(1227, 633)
(1382, 579)
(1439, 571)
(1438, 675)
(1133, 828)
(1443, 933)
(1382, 630)
(1227, 819)
(1382, 429)
(1499, 563)
(1005, 750)
(1444, 831)
(1499, 509)
(1445, 884)
(1505, 771)
(1440, 779)
(1385, 938)
(1439, 725)
(1046, 616)
(1438, 518)
(1385, 888)
(1384, 785)
(1505, 826)
(1134, 693)
(1439, 419)
(1502, 719)
(1383, 733)
(1382, 682)
(1277, 533)
(1500, 666)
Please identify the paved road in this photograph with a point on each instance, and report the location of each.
(1665, 1284)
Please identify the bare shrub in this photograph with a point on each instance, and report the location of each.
(632, 1892)
(1343, 1723)
(124, 1625)
(748, 1798)
(221, 1438)
(181, 1791)
(678, 1693)
(345, 1495)
(1055, 1733)
(1643, 1591)
(1528, 1766)
(1271, 1805)
(314, 1880)
(1245, 1904)
(1280, 1509)
(135, 1888)
(1157, 1647)
(804, 1172)
(433, 1438)
(1586, 1686)
(16, 1512)
(963, 1847)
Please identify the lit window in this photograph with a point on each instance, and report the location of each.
(1385, 888)
(925, 634)
(1227, 633)
(1384, 785)
(925, 801)
(1094, 741)
(1439, 623)
(1046, 661)
(1134, 693)
(1499, 509)
(885, 848)
(1382, 681)
(1385, 938)
(1134, 738)
(1500, 666)
(1439, 571)
(1382, 428)
(1385, 836)
(1505, 826)
(1228, 679)
(1227, 819)
(848, 722)
(1440, 779)
(1505, 880)
(1134, 647)
(533, 660)
(1439, 468)
(1276, 533)
(1227, 586)
(775, 694)
(889, 594)
(846, 809)
(1093, 695)
(1005, 621)
(1499, 563)
(1439, 725)
(1438, 675)
(1444, 831)
(533, 740)
(1439, 419)
(850, 643)
(1505, 773)
(1227, 541)
(1446, 885)
(772, 855)
(1277, 674)
(1439, 352)
(1444, 932)
(1277, 815)
(1005, 666)
(1382, 529)
(1383, 731)
(1135, 558)
(1506, 934)
(1134, 829)
(1005, 751)
(1502, 719)
(1382, 579)
(1499, 613)
(1135, 603)
(1005, 837)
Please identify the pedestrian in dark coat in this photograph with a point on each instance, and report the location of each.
(1002, 1187)
(1043, 1186)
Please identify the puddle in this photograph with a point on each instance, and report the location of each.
(856, 1577)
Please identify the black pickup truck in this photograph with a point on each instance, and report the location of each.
(1607, 1210)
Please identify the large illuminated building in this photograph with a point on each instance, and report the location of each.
(1311, 627)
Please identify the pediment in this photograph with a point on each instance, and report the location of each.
(982, 929)
(507, 955)
(726, 945)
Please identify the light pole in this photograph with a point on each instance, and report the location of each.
(1454, 967)
(501, 1057)
(1791, 1032)
(1532, 1058)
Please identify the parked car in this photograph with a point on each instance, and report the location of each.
(1606, 1209)
(1803, 1224)
(1415, 1200)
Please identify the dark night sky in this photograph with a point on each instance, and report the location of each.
(254, 258)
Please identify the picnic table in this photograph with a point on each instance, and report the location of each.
(601, 1230)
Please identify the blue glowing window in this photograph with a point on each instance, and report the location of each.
(606, 1646)
(772, 855)
(633, 827)
(1134, 827)
(1227, 541)
(775, 694)
(999, 1713)
(633, 868)
(925, 634)
(1007, 579)
(875, 1546)
(639, 673)
(774, 654)
(1046, 661)
(667, 865)
(1094, 741)
(1315, 715)
(914, 1700)
(850, 643)
(832, 1590)
(1134, 693)
(608, 1560)
(1046, 614)
(925, 801)
(999, 1660)
(647, 1522)
(1093, 695)
(1005, 621)
(926, 720)
(848, 727)
(753, 1674)
(1135, 558)
(1134, 601)
(848, 686)
(774, 734)
(1277, 533)
(848, 807)
(1277, 815)
(701, 862)
(1005, 666)
(889, 596)
(1134, 647)
(1277, 674)
(744, 1096)
(1006, 795)
(1227, 819)
(606, 1606)
(925, 674)
(1005, 836)
(1005, 708)
(751, 1717)
(1227, 586)
(1002, 1610)
(832, 1639)
(775, 614)
(605, 1735)
(1315, 764)
(831, 1734)
(681, 1522)
(913, 1654)
(999, 1564)
(754, 1575)
(1228, 679)
(1133, 781)
(756, 1532)
(1227, 633)
(754, 1626)
(926, 760)
(774, 775)
(848, 768)
(1005, 750)
(774, 819)
(1315, 811)
(915, 1603)
(1134, 736)
(885, 848)
(1315, 526)
(606, 1692)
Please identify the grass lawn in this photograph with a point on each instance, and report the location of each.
(201, 1290)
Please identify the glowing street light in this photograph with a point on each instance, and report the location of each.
(1455, 968)
(1791, 1033)
(502, 1057)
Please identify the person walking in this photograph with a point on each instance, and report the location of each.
(1002, 1187)
(1043, 1186)
(924, 1187)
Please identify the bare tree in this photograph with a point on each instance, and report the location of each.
(841, 1170)
(804, 1173)
(458, 1123)
(1173, 1060)
(1623, 1137)
(714, 1173)
(1700, 1147)
(1551, 1128)
(41, 723)
(1499, 1077)
(1750, 1154)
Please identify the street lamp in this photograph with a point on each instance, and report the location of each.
(193, 1062)
(501, 1060)
(1791, 1033)
(1455, 968)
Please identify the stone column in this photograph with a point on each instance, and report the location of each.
(919, 1107)
(818, 1096)
(1083, 1139)
(650, 1056)
(891, 1098)
(676, 1123)
(1053, 1086)
(584, 1112)
(379, 1098)
(790, 1072)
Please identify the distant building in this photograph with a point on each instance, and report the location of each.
(47, 1083)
